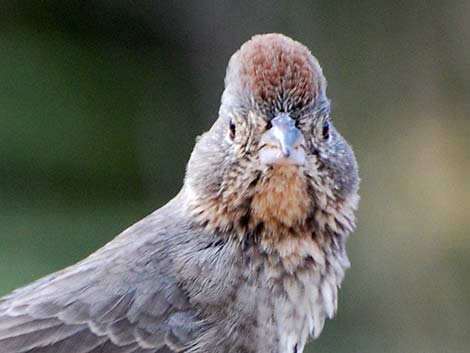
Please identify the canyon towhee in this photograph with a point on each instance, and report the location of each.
(248, 257)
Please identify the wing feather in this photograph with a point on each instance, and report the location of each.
(108, 313)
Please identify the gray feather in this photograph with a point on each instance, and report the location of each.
(106, 303)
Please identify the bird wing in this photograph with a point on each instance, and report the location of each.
(104, 304)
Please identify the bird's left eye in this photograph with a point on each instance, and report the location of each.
(232, 130)
(326, 130)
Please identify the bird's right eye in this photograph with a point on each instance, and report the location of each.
(232, 130)
(326, 130)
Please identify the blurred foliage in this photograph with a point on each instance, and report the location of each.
(100, 103)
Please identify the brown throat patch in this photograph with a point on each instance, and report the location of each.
(281, 200)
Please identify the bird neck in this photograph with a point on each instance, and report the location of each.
(281, 213)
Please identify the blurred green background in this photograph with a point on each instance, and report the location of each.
(100, 103)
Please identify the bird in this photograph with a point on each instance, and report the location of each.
(248, 257)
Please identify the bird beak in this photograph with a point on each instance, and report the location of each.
(283, 143)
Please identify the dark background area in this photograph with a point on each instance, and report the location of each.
(100, 104)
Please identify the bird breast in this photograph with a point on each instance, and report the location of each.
(292, 305)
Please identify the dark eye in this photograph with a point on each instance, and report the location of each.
(232, 130)
(326, 130)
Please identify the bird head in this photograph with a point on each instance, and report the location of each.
(273, 165)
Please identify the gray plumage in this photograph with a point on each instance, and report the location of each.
(247, 258)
